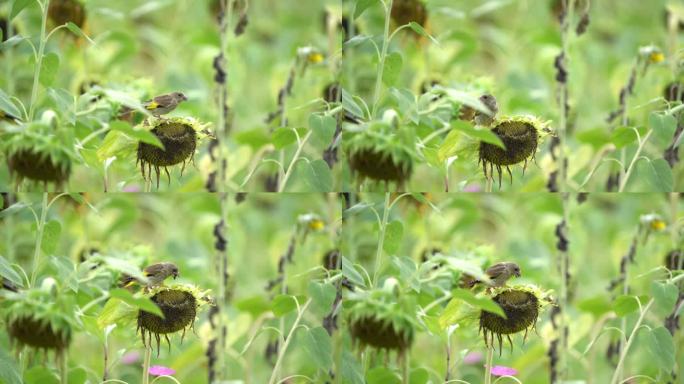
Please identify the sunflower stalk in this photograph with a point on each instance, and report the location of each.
(281, 354)
(39, 59)
(39, 239)
(381, 240)
(387, 4)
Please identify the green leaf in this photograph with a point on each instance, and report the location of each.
(665, 296)
(482, 134)
(136, 133)
(484, 303)
(623, 136)
(323, 295)
(417, 28)
(323, 130)
(419, 376)
(48, 71)
(282, 137)
(662, 348)
(362, 5)
(657, 174)
(9, 273)
(625, 304)
(393, 234)
(77, 376)
(12, 209)
(318, 346)
(319, 176)
(663, 126)
(350, 369)
(17, 7)
(255, 138)
(78, 32)
(597, 306)
(382, 375)
(51, 232)
(350, 272)
(7, 105)
(393, 64)
(141, 302)
(350, 105)
(40, 375)
(284, 304)
(9, 372)
(455, 310)
(254, 305)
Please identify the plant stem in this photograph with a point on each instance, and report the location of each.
(39, 239)
(39, 59)
(227, 6)
(381, 241)
(146, 365)
(488, 367)
(618, 371)
(63, 367)
(625, 178)
(565, 263)
(283, 349)
(9, 61)
(290, 167)
(383, 55)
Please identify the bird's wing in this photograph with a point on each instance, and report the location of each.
(153, 269)
(161, 101)
(495, 270)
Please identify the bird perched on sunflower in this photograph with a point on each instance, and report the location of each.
(498, 273)
(155, 274)
(478, 117)
(157, 106)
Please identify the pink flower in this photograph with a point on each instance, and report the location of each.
(131, 357)
(473, 188)
(500, 370)
(160, 370)
(473, 358)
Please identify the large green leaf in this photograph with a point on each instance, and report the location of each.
(393, 64)
(9, 273)
(9, 371)
(665, 296)
(661, 345)
(51, 233)
(48, 71)
(318, 346)
(393, 235)
(322, 130)
(136, 133)
(479, 133)
(657, 174)
(319, 176)
(141, 302)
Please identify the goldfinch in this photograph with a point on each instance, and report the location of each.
(155, 273)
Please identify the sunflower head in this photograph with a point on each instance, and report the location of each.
(38, 155)
(406, 11)
(179, 137)
(179, 304)
(521, 305)
(39, 318)
(64, 11)
(381, 153)
(520, 136)
(379, 320)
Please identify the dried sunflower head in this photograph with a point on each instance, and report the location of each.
(380, 152)
(521, 304)
(179, 137)
(378, 319)
(521, 137)
(39, 318)
(179, 304)
(36, 153)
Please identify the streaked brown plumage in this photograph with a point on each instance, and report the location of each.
(155, 273)
(499, 273)
(160, 105)
(480, 118)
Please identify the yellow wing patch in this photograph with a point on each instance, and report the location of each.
(152, 105)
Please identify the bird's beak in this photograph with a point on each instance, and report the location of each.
(184, 97)
(175, 275)
(518, 274)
